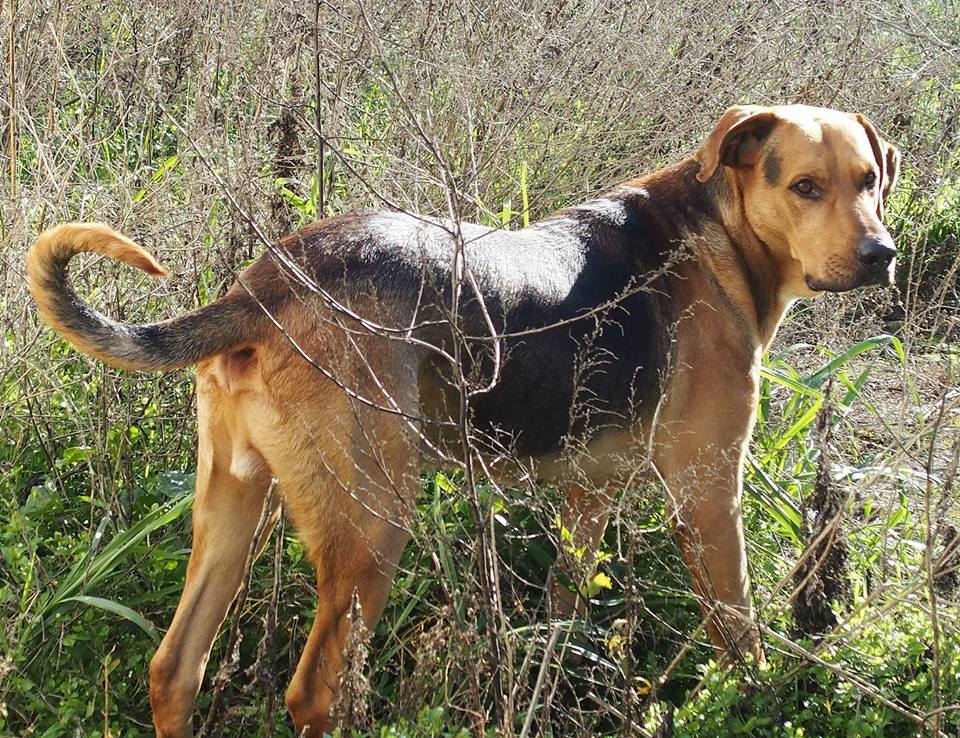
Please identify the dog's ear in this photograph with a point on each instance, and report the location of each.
(736, 140)
(888, 160)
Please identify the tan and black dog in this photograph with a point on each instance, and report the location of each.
(628, 327)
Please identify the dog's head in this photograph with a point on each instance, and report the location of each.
(812, 183)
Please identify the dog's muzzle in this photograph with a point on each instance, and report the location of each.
(875, 261)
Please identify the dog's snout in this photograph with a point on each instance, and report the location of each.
(876, 252)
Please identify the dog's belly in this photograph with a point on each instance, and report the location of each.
(568, 385)
(557, 389)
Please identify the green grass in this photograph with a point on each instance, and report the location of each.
(93, 597)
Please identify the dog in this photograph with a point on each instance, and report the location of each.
(366, 345)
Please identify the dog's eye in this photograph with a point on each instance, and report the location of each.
(869, 180)
(806, 188)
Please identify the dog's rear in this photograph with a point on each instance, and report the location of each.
(347, 471)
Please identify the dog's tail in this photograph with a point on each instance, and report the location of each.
(233, 320)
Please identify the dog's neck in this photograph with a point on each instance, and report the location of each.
(755, 262)
(709, 218)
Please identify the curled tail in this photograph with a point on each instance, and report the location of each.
(234, 320)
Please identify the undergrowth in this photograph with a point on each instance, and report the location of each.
(194, 128)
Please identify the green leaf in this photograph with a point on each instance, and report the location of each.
(122, 610)
(443, 483)
(787, 381)
(74, 455)
(881, 341)
(96, 567)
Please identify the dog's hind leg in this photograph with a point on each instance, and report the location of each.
(350, 475)
(352, 563)
(231, 489)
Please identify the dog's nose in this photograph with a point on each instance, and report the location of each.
(876, 252)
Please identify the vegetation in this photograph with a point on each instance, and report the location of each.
(199, 130)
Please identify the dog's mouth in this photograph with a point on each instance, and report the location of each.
(861, 278)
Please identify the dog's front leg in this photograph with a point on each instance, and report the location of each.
(709, 528)
(699, 456)
(583, 521)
